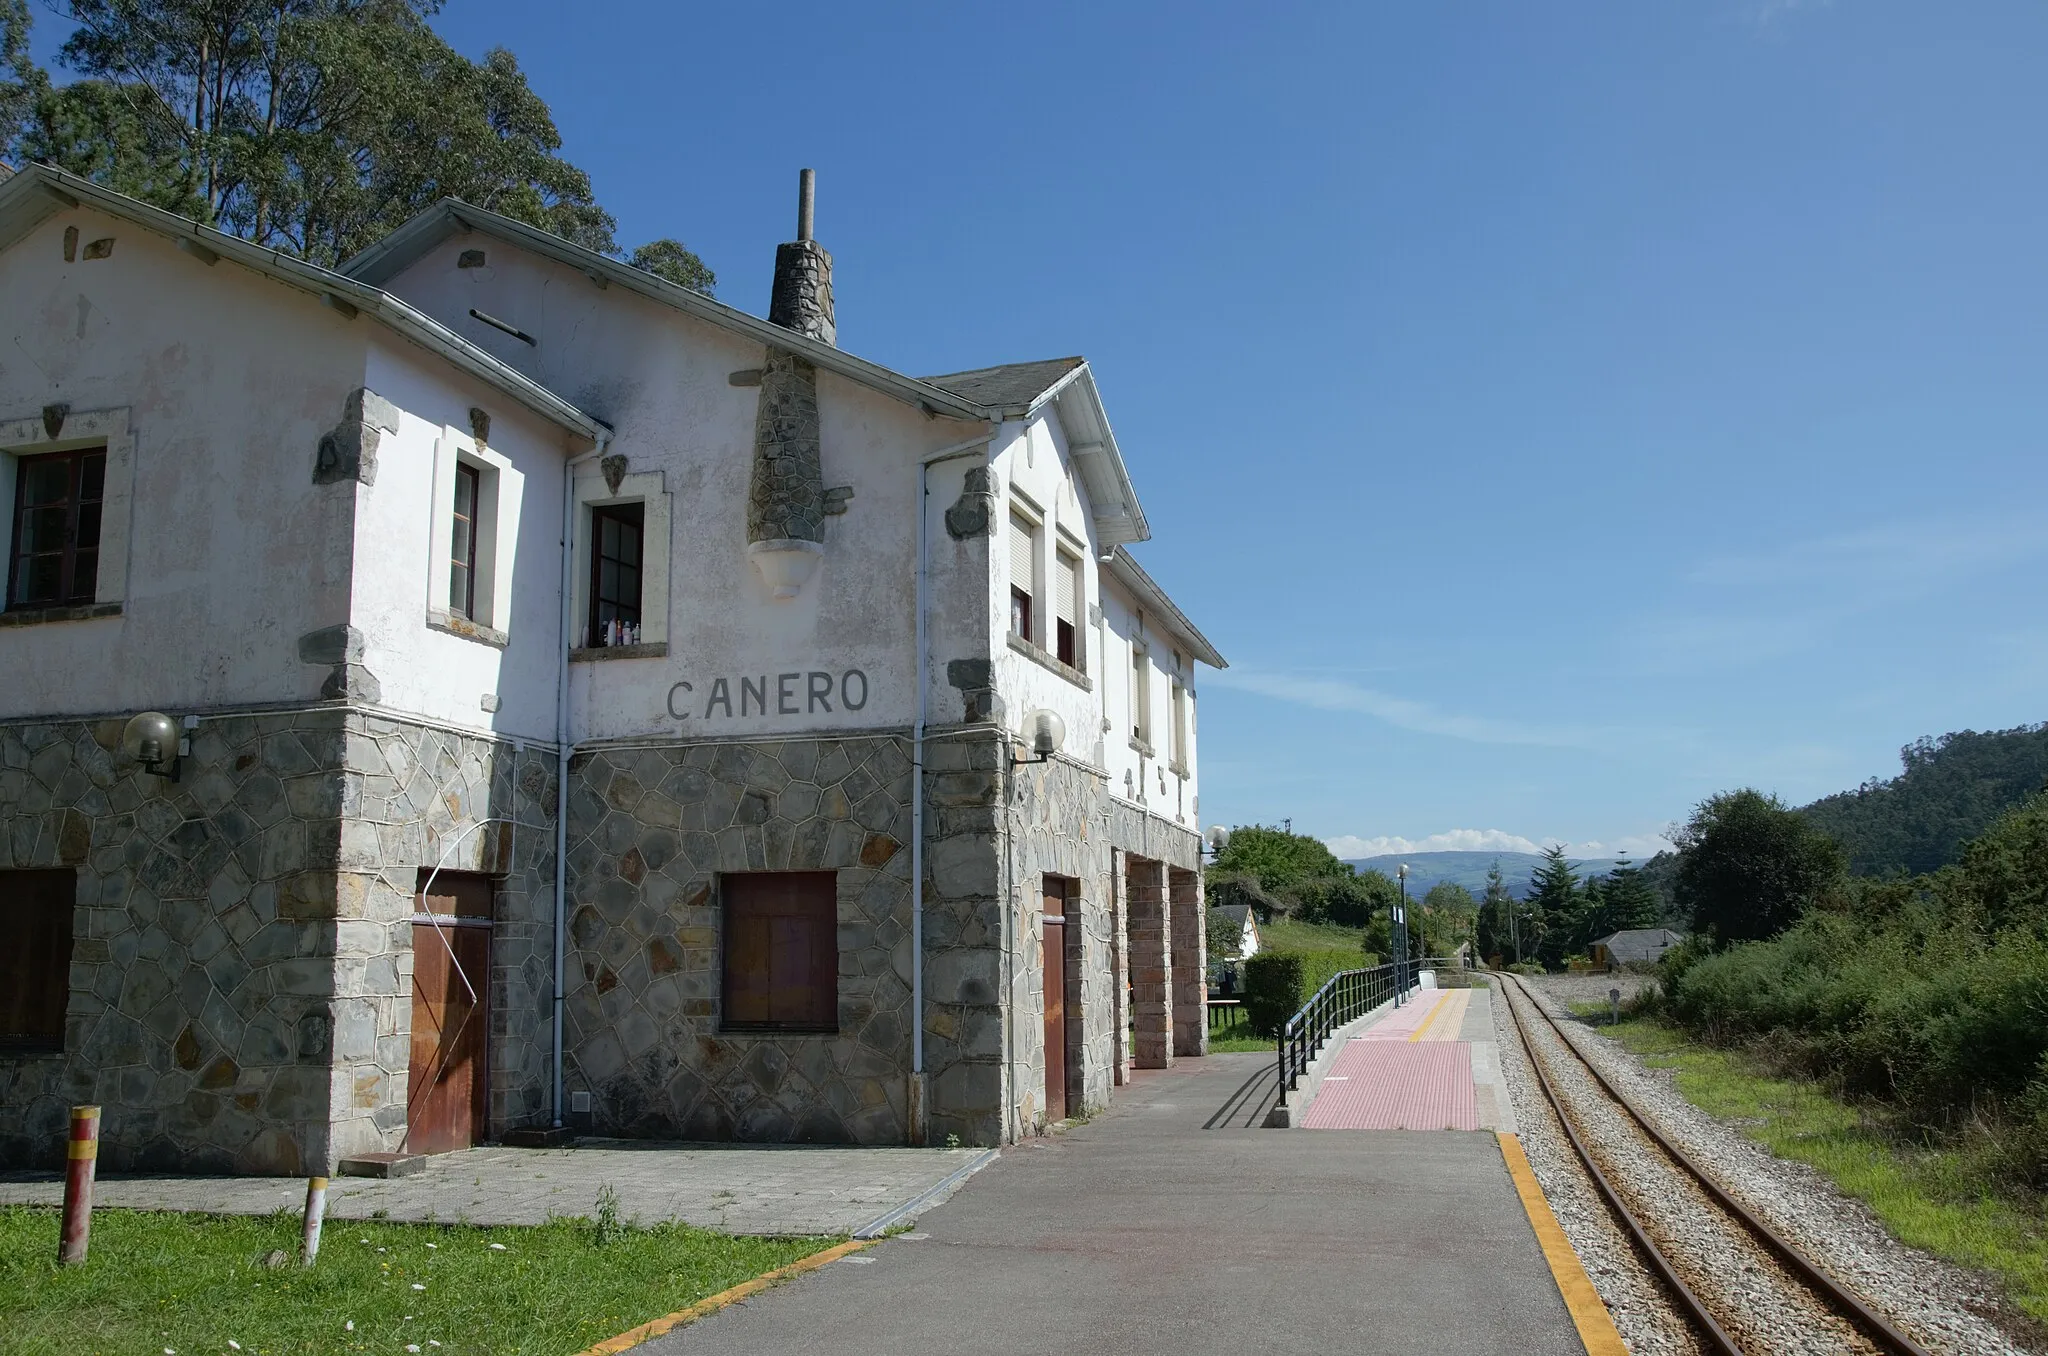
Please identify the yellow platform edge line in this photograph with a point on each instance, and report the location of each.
(711, 1304)
(1597, 1332)
(1421, 1032)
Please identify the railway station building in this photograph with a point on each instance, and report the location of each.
(586, 708)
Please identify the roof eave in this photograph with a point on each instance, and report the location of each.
(53, 190)
(1119, 517)
(1132, 576)
(432, 225)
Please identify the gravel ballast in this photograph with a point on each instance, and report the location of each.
(1943, 1306)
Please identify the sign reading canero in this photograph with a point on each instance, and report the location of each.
(809, 692)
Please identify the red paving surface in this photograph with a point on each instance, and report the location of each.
(1401, 1074)
(1397, 1085)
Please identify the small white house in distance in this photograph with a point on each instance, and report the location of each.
(591, 708)
(1243, 926)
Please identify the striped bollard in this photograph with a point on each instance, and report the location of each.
(83, 1155)
(316, 1211)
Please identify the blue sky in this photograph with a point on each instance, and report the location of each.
(1556, 413)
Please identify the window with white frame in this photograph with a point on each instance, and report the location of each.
(1141, 693)
(1179, 732)
(622, 555)
(477, 493)
(64, 499)
(1067, 595)
(1023, 577)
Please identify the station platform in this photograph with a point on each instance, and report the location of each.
(1172, 1223)
(1429, 1064)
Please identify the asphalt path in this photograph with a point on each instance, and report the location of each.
(1171, 1224)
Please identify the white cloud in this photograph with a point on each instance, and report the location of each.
(1335, 694)
(1351, 847)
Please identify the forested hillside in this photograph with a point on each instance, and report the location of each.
(1951, 790)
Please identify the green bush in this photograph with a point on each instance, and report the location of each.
(1273, 990)
(1930, 995)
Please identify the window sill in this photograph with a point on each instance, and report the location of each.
(36, 616)
(20, 1049)
(1045, 659)
(774, 1029)
(1142, 748)
(590, 654)
(439, 619)
(1179, 770)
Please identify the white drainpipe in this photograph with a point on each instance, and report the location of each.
(562, 743)
(924, 488)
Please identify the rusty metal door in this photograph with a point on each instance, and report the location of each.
(446, 1089)
(1055, 1000)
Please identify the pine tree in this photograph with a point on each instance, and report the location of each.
(1496, 917)
(1551, 908)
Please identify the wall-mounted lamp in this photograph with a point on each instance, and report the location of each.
(1216, 838)
(153, 740)
(1045, 732)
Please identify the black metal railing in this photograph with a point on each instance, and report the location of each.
(1348, 995)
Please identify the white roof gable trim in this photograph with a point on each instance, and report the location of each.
(36, 193)
(1153, 600)
(1077, 402)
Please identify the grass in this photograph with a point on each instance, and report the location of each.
(1924, 1196)
(1285, 934)
(195, 1283)
(1233, 1036)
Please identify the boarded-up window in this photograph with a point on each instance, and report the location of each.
(781, 949)
(1067, 611)
(35, 957)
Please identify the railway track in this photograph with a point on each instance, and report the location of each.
(1747, 1289)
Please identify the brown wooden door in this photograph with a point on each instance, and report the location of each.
(451, 960)
(1055, 1001)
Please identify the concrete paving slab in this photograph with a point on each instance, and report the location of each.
(742, 1189)
(1170, 1225)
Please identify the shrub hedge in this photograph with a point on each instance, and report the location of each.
(1930, 994)
(1273, 990)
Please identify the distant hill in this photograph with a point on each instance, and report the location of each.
(1469, 869)
(1950, 790)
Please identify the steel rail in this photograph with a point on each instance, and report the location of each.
(1874, 1325)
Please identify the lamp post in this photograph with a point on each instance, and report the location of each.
(1401, 939)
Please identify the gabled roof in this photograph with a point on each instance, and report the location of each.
(35, 193)
(1015, 385)
(1151, 597)
(1237, 913)
(996, 394)
(430, 226)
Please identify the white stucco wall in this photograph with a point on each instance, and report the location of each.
(661, 378)
(229, 379)
(401, 566)
(1150, 779)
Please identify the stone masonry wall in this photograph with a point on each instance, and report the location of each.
(241, 956)
(1058, 823)
(650, 829)
(201, 966)
(417, 797)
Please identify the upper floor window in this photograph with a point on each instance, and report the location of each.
(1141, 694)
(781, 949)
(617, 532)
(1067, 610)
(1023, 577)
(462, 568)
(56, 540)
(1179, 733)
(35, 957)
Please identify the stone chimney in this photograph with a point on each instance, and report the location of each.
(802, 299)
(786, 494)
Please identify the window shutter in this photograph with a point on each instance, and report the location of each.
(1067, 601)
(1022, 564)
